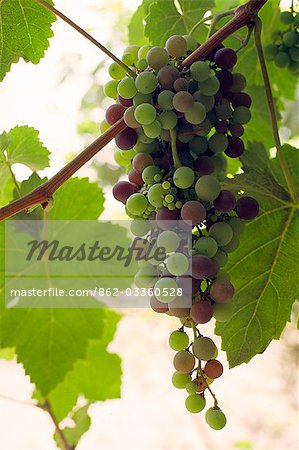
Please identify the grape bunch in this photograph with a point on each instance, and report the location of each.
(284, 50)
(182, 125)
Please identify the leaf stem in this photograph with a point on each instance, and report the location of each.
(174, 149)
(62, 438)
(84, 33)
(245, 42)
(271, 105)
(14, 179)
(203, 20)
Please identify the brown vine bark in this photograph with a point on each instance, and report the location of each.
(244, 16)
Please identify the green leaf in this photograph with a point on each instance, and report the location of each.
(136, 25)
(25, 29)
(82, 423)
(264, 267)
(166, 19)
(108, 174)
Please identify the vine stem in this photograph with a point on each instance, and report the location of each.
(203, 20)
(88, 36)
(174, 149)
(271, 105)
(47, 407)
(244, 15)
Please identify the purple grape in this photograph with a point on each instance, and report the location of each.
(194, 212)
(126, 102)
(158, 306)
(135, 177)
(235, 147)
(203, 267)
(114, 113)
(141, 161)
(226, 58)
(204, 165)
(225, 202)
(123, 190)
(166, 219)
(247, 208)
(167, 76)
(239, 82)
(221, 127)
(127, 139)
(236, 129)
(202, 311)
(226, 80)
(212, 54)
(181, 84)
(241, 99)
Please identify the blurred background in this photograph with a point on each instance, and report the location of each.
(62, 97)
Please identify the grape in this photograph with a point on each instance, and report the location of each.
(145, 114)
(127, 139)
(142, 137)
(155, 195)
(184, 361)
(221, 232)
(223, 312)
(226, 58)
(180, 380)
(200, 71)
(218, 143)
(167, 219)
(110, 89)
(130, 56)
(224, 110)
(181, 84)
(116, 71)
(247, 208)
(127, 88)
(282, 59)
(139, 99)
(185, 135)
(168, 240)
(157, 306)
(168, 120)
(191, 42)
(119, 158)
(206, 246)
(207, 101)
(146, 83)
(202, 267)
(123, 190)
(165, 290)
(291, 38)
(226, 80)
(114, 113)
(177, 264)
(176, 46)
(241, 99)
(239, 83)
(271, 51)
(237, 225)
(140, 227)
(183, 177)
(286, 17)
(178, 340)
(207, 188)
(128, 154)
(237, 130)
(215, 418)
(204, 165)
(221, 258)
(232, 245)
(183, 101)
(153, 130)
(146, 276)
(294, 67)
(126, 102)
(221, 127)
(165, 100)
(141, 147)
(241, 115)
(225, 202)
(129, 118)
(294, 54)
(196, 114)
(210, 86)
(202, 311)
(199, 145)
(222, 291)
(194, 212)
(204, 348)
(143, 51)
(195, 403)
(149, 174)
(137, 204)
(192, 387)
(157, 58)
(167, 76)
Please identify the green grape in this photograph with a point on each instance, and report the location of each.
(199, 145)
(128, 154)
(143, 51)
(142, 137)
(200, 71)
(286, 17)
(237, 225)
(207, 188)
(215, 418)
(218, 143)
(220, 163)
(191, 42)
(180, 380)
(127, 88)
(104, 126)
(140, 228)
(206, 246)
(149, 174)
(166, 185)
(183, 177)
(168, 240)
(156, 195)
(178, 340)
(192, 387)
(294, 67)
(221, 258)
(204, 348)
(145, 114)
(185, 134)
(232, 245)
(116, 71)
(165, 290)
(141, 64)
(290, 38)
(137, 204)
(195, 403)
(119, 159)
(165, 100)
(196, 114)
(210, 86)
(141, 147)
(146, 82)
(168, 120)
(241, 115)
(271, 51)
(139, 99)
(207, 101)
(177, 264)
(146, 276)
(223, 312)
(276, 34)
(130, 56)
(110, 89)
(294, 53)
(176, 46)
(184, 361)
(282, 59)
(152, 130)
(221, 232)
(157, 57)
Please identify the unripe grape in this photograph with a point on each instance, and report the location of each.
(184, 361)
(178, 340)
(215, 418)
(204, 348)
(180, 380)
(157, 57)
(195, 403)
(222, 291)
(176, 46)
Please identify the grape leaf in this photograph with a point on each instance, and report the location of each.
(264, 267)
(166, 19)
(82, 424)
(136, 25)
(108, 174)
(25, 29)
